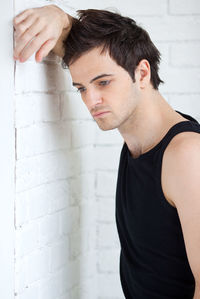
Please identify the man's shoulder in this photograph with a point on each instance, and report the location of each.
(182, 143)
(182, 147)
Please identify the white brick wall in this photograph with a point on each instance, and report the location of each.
(55, 255)
(67, 245)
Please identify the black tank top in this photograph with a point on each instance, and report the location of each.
(153, 259)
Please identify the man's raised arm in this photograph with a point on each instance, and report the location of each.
(58, 49)
(40, 30)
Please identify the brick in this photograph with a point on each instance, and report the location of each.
(108, 261)
(38, 201)
(31, 268)
(48, 229)
(107, 137)
(21, 274)
(107, 236)
(87, 289)
(22, 5)
(48, 198)
(185, 55)
(82, 188)
(88, 265)
(69, 220)
(78, 243)
(51, 58)
(87, 214)
(184, 7)
(136, 7)
(109, 286)
(21, 209)
(106, 209)
(65, 295)
(59, 254)
(31, 292)
(38, 139)
(38, 265)
(171, 28)
(34, 171)
(34, 108)
(69, 277)
(74, 293)
(82, 160)
(179, 80)
(27, 239)
(40, 77)
(60, 196)
(186, 103)
(92, 237)
(72, 107)
(106, 183)
(164, 50)
(83, 133)
(41, 200)
(107, 157)
(51, 287)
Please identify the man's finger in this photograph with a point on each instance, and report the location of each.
(45, 49)
(23, 26)
(24, 39)
(33, 46)
(22, 16)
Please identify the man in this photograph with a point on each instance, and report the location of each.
(114, 65)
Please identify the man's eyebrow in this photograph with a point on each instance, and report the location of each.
(97, 77)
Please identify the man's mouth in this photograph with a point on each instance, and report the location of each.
(100, 114)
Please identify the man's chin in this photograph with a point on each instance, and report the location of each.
(105, 127)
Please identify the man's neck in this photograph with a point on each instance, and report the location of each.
(148, 124)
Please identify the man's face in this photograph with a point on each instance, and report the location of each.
(105, 87)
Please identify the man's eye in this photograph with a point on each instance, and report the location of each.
(106, 82)
(81, 89)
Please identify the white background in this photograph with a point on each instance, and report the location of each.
(66, 243)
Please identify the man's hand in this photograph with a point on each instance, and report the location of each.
(40, 30)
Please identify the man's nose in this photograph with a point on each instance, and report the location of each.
(92, 98)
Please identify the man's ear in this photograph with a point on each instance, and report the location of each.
(143, 73)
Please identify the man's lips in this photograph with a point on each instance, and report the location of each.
(100, 113)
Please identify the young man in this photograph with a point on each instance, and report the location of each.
(114, 65)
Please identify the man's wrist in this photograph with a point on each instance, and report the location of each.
(67, 21)
(65, 17)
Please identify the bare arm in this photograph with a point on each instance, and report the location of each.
(58, 49)
(184, 164)
(197, 292)
(40, 30)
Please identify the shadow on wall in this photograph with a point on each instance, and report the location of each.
(75, 258)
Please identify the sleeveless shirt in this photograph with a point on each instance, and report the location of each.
(153, 259)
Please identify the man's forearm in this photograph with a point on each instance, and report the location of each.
(59, 49)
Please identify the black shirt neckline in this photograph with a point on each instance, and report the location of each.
(157, 146)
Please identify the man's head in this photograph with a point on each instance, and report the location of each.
(126, 42)
(102, 42)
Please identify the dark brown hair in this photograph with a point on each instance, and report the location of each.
(126, 42)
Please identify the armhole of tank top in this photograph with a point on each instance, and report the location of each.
(164, 201)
